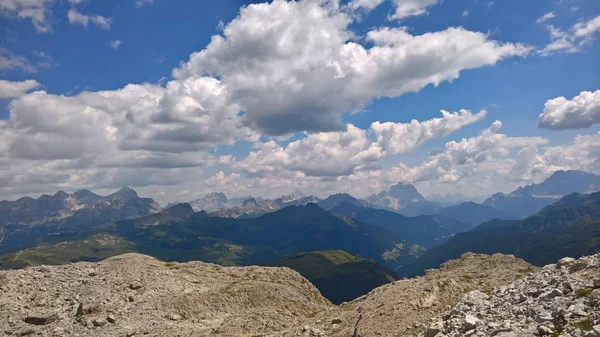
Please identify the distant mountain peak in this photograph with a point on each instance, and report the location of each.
(530, 199)
(293, 196)
(181, 210)
(126, 193)
(217, 195)
(336, 199)
(61, 194)
(408, 192)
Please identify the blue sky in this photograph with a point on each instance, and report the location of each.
(67, 56)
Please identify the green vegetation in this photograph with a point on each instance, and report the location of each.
(583, 292)
(585, 325)
(339, 276)
(94, 248)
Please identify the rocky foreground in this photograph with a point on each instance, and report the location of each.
(136, 295)
(561, 299)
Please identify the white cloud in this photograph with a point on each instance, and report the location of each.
(582, 154)
(582, 111)
(8, 61)
(141, 3)
(406, 137)
(77, 18)
(293, 67)
(10, 89)
(572, 41)
(465, 13)
(546, 17)
(289, 67)
(489, 151)
(187, 116)
(587, 28)
(334, 154)
(366, 5)
(34, 10)
(114, 44)
(407, 8)
(319, 154)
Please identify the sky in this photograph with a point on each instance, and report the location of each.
(178, 99)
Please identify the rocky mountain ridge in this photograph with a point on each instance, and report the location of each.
(61, 205)
(217, 204)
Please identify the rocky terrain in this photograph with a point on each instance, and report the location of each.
(135, 295)
(562, 299)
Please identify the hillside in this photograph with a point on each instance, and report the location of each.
(473, 214)
(136, 295)
(561, 300)
(570, 227)
(179, 234)
(424, 230)
(338, 275)
(132, 294)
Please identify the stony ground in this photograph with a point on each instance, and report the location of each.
(404, 307)
(561, 299)
(136, 295)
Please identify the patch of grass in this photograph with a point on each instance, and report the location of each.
(583, 292)
(585, 325)
(468, 277)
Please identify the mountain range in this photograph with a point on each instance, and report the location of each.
(327, 240)
(569, 227)
(23, 221)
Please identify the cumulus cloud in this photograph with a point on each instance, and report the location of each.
(278, 68)
(334, 154)
(406, 137)
(10, 89)
(34, 10)
(77, 18)
(573, 40)
(489, 151)
(366, 5)
(407, 8)
(582, 154)
(582, 111)
(546, 17)
(319, 154)
(293, 66)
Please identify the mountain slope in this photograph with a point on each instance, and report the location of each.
(424, 230)
(473, 214)
(571, 227)
(339, 276)
(334, 200)
(179, 234)
(137, 295)
(530, 199)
